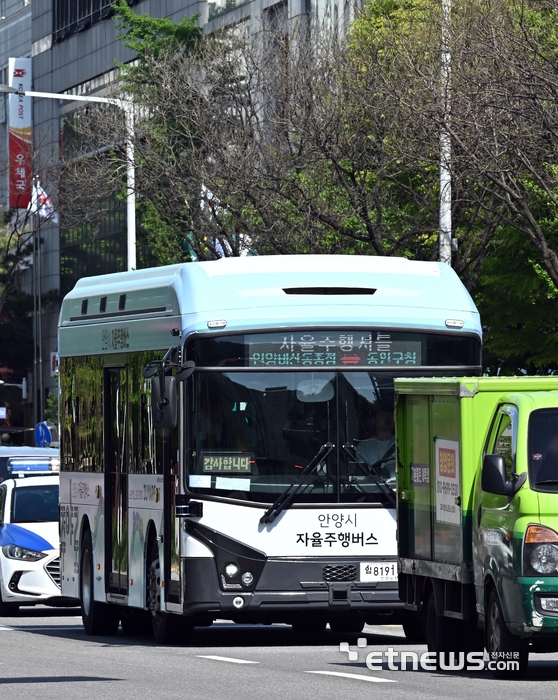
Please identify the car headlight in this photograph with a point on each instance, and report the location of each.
(13, 551)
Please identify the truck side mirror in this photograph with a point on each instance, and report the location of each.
(494, 479)
(163, 397)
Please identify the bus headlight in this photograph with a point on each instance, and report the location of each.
(544, 558)
(247, 578)
(231, 570)
(12, 551)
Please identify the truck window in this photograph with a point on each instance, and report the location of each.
(503, 437)
(543, 449)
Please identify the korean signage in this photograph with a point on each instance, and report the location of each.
(20, 134)
(334, 348)
(448, 482)
(228, 462)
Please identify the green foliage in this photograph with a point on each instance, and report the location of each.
(51, 408)
(518, 304)
(149, 36)
(16, 335)
(165, 205)
(16, 343)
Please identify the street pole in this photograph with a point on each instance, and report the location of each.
(22, 386)
(128, 108)
(445, 236)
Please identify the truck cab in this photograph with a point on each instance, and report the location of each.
(477, 477)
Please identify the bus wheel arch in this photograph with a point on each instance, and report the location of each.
(167, 628)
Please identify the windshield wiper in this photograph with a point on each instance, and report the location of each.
(373, 470)
(547, 481)
(286, 498)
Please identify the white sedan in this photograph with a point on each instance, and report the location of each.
(29, 543)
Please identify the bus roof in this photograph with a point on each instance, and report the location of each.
(108, 313)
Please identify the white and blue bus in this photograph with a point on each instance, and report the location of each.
(223, 455)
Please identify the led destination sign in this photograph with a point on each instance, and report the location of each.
(334, 348)
(227, 462)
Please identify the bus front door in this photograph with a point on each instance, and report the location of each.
(116, 460)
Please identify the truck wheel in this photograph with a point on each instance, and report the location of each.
(502, 645)
(167, 628)
(98, 618)
(443, 634)
(413, 628)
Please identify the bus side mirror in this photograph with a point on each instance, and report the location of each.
(163, 401)
(185, 370)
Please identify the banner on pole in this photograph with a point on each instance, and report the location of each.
(20, 134)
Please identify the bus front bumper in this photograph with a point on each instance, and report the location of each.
(285, 587)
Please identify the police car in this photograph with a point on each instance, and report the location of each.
(8, 452)
(29, 541)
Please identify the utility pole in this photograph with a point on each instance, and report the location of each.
(445, 237)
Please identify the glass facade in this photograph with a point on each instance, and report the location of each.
(75, 16)
(90, 250)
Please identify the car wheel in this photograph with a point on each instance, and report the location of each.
(502, 645)
(8, 609)
(167, 628)
(98, 618)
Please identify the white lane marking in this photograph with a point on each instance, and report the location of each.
(227, 658)
(50, 628)
(371, 679)
(34, 628)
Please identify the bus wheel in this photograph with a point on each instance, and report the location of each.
(346, 625)
(135, 622)
(503, 646)
(167, 628)
(98, 618)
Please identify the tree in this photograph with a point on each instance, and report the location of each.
(16, 342)
(286, 137)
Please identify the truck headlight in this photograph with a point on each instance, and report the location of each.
(540, 551)
(544, 558)
(12, 551)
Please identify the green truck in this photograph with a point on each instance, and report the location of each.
(477, 509)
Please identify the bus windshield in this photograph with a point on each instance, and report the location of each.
(254, 432)
(261, 406)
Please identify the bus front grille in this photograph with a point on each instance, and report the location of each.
(346, 572)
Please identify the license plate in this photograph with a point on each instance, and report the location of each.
(378, 572)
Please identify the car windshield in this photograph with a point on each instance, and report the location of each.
(35, 504)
